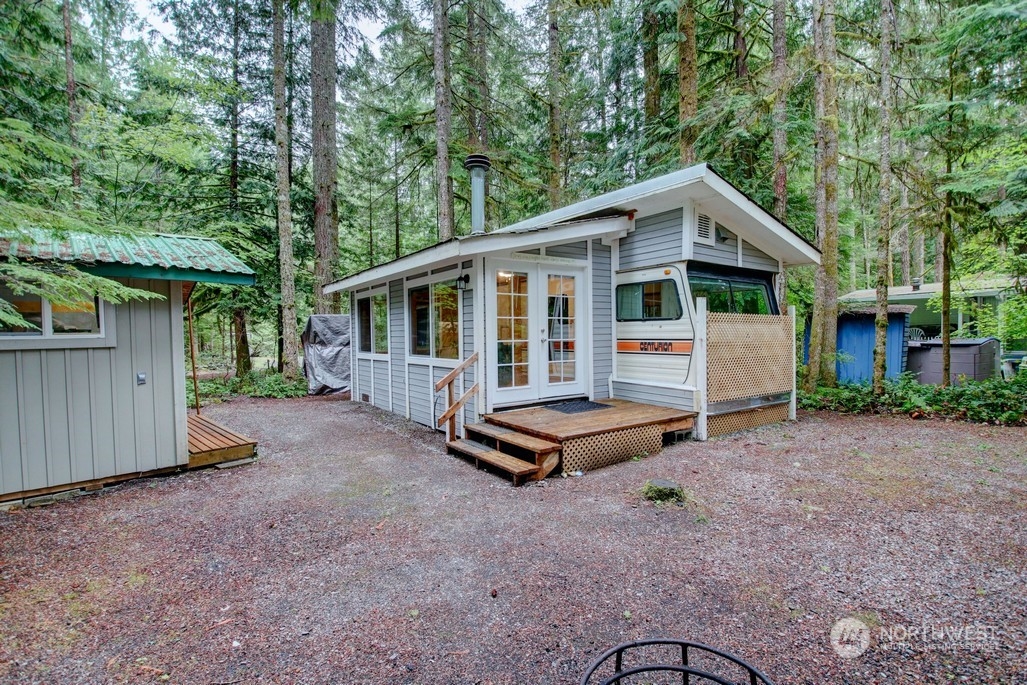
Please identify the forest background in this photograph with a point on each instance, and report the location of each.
(891, 134)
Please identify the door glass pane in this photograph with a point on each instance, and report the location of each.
(560, 328)
(512, 355)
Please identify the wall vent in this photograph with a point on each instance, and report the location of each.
(704, 229)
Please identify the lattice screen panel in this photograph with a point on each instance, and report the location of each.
(596, 451)
(744, 420)
(749, 355)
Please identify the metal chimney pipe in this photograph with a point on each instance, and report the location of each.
(477, 165)
(915, 283)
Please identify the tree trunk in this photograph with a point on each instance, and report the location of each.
(477, 75)
(286, 269)
(72, 92)
(780, 76)
(740, 49)
(884, 199)
(553, 83)
(243, 365)
(828, 375)
(443, 117)
(651, 65)
(946, 294)
(324, 152)
(233, 145)
(688, 80)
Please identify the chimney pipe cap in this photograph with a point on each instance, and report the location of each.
(473, 161)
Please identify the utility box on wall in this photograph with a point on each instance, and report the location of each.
(974, 358)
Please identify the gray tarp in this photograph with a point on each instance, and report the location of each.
(326, 353)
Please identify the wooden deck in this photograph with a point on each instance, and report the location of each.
(622, 415)
(212, 443)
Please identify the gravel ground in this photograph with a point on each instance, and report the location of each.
(356, 551)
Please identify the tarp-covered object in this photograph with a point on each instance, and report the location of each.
(326, 354)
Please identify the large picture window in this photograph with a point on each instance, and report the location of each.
(648, 301)
(731, 294)
(435, 321)
(373, 324)
(51, 320)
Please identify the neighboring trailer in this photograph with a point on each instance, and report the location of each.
(661, 293)
(98, 395)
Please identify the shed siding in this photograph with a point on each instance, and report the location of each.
(364, 379)
(602, 320)
(656, 240)
(471, 408)
(578, 250)
(666, 397)
(420, 393)
(73, 415)
(724, 251)
(381, 384)
(755, 258)
(397, 346)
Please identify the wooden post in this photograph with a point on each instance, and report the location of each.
(699, 352)
(192, 354)
(792, 401)
(452, 419)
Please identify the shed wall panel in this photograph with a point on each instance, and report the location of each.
(381, 384)
(364, 376)
(682, 398)
(397, 346)
(755, 258)
(723, 254)
(602, 320)
(471, 408)
(73, 415)
(578, 250)
(656, 239)
(420, 393)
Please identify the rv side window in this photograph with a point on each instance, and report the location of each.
(648, 301)
(725, 294)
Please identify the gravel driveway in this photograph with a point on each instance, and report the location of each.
(356, 551)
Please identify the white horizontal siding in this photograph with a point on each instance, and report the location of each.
(602, 320)
(656, 240)
(683, 398)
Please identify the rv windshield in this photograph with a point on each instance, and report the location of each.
(731, 294)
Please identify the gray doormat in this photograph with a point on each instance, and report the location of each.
(577, 406)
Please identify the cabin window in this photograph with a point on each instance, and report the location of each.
(648, 301)
(731, 294)
(373, 324)
(435, 321)
(46, 320)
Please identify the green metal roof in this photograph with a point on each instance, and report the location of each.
(163, 257)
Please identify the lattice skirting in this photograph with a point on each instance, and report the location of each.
(596, 451)
(744, 420)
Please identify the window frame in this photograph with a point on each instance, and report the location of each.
(732, 278)
(47, 339)
(641, 285)
(368, 297)
(429, 284)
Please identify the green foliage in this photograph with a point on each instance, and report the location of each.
(990, 401)
(253, 384)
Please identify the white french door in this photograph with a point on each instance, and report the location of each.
(536, 324)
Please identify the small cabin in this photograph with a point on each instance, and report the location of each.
(660, 293)
(96, 394)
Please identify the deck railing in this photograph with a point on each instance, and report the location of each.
(452, 408)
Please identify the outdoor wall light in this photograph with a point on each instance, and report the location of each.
(462, 281)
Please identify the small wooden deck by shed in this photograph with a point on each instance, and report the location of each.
(530, 443)
(211, 443)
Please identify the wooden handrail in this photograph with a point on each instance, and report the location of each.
(453, 407)
(451, 376)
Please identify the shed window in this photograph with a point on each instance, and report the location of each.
(731, 294)
(435, 321)
(373, 324)
(648, 301)
(50, 320)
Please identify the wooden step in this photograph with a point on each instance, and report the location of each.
(518, 468)
(511, 437)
